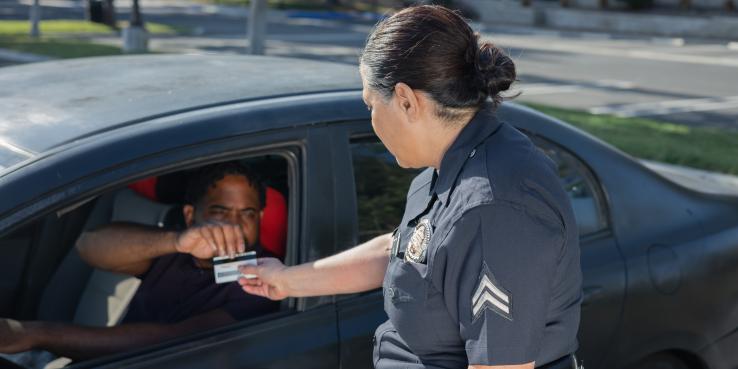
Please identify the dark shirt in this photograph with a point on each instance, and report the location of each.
(175, 289)
(496, 278)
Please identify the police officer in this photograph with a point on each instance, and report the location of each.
(483, 271)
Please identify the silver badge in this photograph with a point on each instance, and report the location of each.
(418, 243)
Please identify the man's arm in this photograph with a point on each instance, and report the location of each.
(81, 343)
(358, 269)
(130, 248)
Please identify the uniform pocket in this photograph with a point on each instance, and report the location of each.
(378, 338)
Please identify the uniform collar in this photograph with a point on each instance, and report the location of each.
(482, 125)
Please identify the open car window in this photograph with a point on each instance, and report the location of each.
(49, 281)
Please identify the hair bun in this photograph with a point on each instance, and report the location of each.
(496, 70)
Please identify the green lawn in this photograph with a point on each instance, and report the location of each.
(56, 47)
(64, 38)
(66, 27)
(712, 149)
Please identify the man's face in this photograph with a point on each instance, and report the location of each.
(232, 200)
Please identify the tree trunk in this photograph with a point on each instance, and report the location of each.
(136, 18)
(729, 5)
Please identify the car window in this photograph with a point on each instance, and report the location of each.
(580, 184)
(381, 188)
(73, 291)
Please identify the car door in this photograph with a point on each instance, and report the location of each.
(304, 332)
(602, 262)
(375, 200)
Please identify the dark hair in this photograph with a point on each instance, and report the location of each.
(433, 49)
(204, 178)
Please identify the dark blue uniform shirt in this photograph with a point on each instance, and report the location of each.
(485, 264)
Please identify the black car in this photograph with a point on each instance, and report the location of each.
(660, 259)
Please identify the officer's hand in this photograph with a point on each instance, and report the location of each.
(212, 239)
(13, 337)
(269, 281)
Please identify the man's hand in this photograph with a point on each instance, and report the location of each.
(13, 337)
(269, 281)
(210, 240)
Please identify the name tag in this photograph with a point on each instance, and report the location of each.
(226, 268)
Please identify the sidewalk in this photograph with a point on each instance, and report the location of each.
(713, 25)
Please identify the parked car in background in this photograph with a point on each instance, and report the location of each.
(659, 259)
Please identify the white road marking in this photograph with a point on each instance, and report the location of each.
(614, 83)
(668, 41)
(533, 89)
(589, 49)
(668, 107)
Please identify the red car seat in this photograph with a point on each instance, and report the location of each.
(273, 227)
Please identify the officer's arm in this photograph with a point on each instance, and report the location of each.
(358, 269)
(530, 365)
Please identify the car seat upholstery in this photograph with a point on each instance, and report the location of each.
(107, 294)
(101, 297)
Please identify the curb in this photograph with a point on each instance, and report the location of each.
(21, 57)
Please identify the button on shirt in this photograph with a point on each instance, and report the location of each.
(485, 264)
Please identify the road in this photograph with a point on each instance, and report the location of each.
(692, 82)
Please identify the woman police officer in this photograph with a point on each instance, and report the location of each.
(484, 269)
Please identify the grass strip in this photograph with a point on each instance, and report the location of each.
(79, 27)
(713, 149)
(57, 47)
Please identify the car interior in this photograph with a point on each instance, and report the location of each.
(77, 293)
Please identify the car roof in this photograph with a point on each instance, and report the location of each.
(48, 104)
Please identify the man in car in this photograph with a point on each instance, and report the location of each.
(178, 294)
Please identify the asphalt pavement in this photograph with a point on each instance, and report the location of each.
(691, 82)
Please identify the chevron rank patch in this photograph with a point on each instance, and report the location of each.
(489, 294)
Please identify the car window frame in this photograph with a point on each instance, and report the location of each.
(291, 147)
(590, 176)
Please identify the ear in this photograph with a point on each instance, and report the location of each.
(189, 214)
(408, 100)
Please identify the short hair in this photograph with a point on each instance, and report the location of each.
(204, 178)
